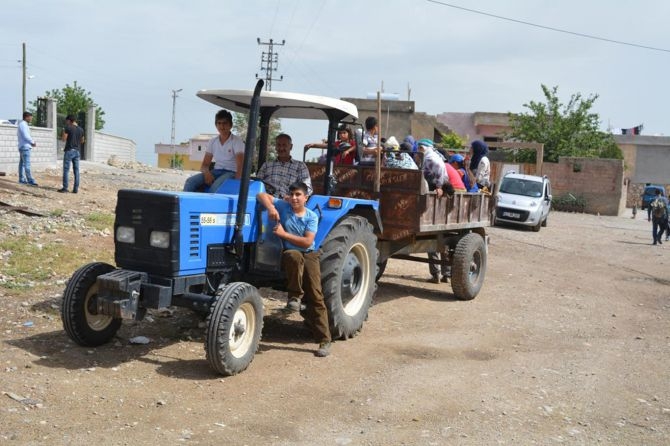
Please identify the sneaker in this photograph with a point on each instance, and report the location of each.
(445, 279)
(23, 181)
(292, 306)
(32, 183)
(74, 191)
(434, 279)
(324, 350)
(62, 191)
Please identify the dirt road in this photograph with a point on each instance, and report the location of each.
(567, 343)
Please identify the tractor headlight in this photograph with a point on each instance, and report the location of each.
(125, 234)
(159, 239)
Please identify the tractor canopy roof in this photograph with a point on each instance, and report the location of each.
(284, 104)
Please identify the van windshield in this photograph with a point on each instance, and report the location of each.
(518, 186)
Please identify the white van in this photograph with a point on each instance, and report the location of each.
(523, 200)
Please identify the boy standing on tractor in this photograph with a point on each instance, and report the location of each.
(296, 227)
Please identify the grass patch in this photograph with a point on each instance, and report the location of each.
(27, 264)
(100, 220)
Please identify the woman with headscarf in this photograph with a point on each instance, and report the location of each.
(480, 166)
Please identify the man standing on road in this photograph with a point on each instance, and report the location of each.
(659, 216)
(26, 144)
(296, 227)
(285, 170)
(73, 135)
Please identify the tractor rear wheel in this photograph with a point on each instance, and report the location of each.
(348, 271)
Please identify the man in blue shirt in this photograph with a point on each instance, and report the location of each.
(26, 144)
(296, 227)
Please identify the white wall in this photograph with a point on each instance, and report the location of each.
(105, 145)
(43, 155)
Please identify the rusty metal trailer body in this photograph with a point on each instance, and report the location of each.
(415, 221)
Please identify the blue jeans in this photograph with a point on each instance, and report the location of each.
(658, 225)
(25, 176)
(71, 156)
(195, 182)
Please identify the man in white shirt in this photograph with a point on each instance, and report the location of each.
(227, 152)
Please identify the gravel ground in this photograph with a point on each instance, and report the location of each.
(567, 343)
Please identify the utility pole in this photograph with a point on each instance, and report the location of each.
(173, 159)
(270, 59)
(23, 63)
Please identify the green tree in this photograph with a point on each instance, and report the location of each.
(451, 141)
(241, 123)
(565, 129)
(75, 100)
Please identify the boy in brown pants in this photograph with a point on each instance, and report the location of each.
(296, 226)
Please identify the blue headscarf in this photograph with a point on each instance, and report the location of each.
(479, 150)
(409, 139)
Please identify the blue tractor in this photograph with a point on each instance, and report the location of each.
(210, 252)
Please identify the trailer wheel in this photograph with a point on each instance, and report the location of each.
(79, 314)
(234, 327)
(348, 271)
(469, 266)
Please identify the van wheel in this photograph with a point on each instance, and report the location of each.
(536, 228)
(468, 266)
(544, 222)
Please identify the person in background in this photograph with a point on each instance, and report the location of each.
(284, 171)
(456, 162)
(454, 177)
(296, 226)
(344, 135)
(73, 135)
(480, 166)
(397, 159)
(436, 175)
(227, 152)
(659, 216)
(26, 144)
(370, 145)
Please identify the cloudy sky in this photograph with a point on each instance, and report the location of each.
(131, 54)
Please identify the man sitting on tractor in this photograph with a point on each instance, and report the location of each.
(283, 172)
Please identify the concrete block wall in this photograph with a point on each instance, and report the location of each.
(599, 181)
(105, 146)
(43, 155)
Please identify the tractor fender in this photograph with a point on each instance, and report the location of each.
(330, 215)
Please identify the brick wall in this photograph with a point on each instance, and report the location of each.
(599, 181)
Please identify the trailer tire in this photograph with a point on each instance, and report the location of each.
(81, 320)
(234, 326)
(348, 271)
(469, 266)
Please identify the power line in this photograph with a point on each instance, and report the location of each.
(588, 36)
(271, 60)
